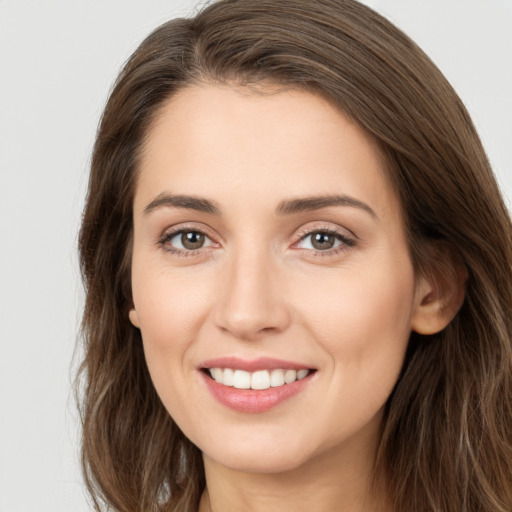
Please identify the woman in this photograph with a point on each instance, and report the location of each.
(298, 274)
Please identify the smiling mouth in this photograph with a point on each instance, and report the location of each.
(258, 380)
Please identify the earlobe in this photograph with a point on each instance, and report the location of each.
(439, 298)
(134, 318)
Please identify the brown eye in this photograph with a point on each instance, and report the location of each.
(322, 241)
(186, 240)
(192, 240)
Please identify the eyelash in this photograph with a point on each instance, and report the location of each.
(169, 235)
(347, 242)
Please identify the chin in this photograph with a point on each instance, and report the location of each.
(258, 456)
(260, 462)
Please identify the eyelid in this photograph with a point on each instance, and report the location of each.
(347, 237)
(172, 231)
(328, 227)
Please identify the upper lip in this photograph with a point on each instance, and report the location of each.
(252, 365)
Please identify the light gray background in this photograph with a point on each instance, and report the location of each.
(58, 59)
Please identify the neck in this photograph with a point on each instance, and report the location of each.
(333, 482)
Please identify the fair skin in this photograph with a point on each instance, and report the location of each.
(228, 264)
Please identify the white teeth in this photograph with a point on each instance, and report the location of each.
(261, 379)
(217, 374)
(301, 374)
(290, 376)
(241, 379)
(277, 378)
(227, 379)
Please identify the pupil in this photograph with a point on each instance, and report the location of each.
(192, 239)
(323, 241)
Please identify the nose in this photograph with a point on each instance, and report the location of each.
(251, 301)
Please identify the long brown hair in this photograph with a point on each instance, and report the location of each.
(447, 435)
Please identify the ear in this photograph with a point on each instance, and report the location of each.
(439, 293)
(134, 318)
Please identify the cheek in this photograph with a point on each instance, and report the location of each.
(359, 301)
(362, 319)
(168, 307)
(169, 304)
(172, 307)
(363, 326)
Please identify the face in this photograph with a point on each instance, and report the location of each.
(269, 252)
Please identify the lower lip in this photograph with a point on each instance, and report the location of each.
(251, 400)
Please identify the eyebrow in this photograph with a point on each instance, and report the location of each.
(286, 207)
(182, 201)
(318, 202)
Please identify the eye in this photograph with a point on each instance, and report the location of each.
(186, 240)
(324, 241)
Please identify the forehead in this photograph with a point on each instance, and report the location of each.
(226, 142)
